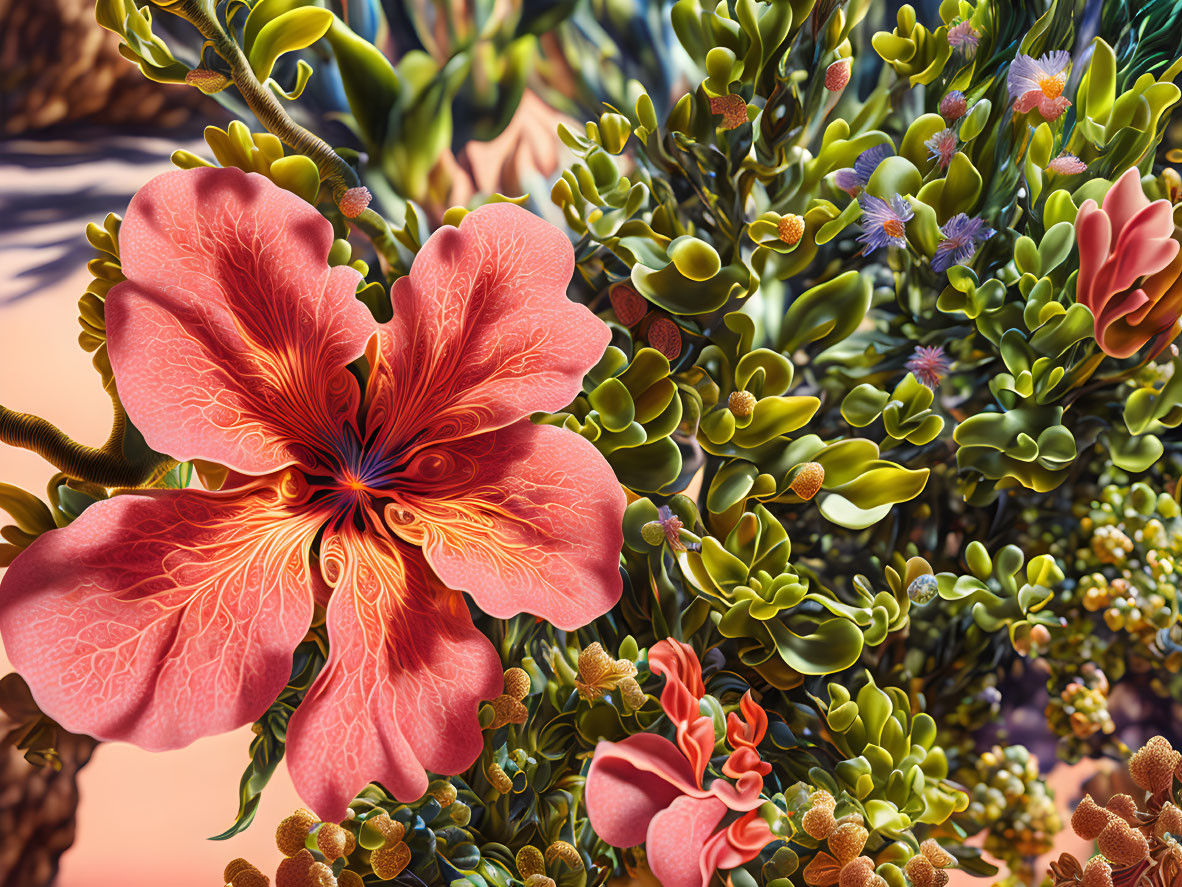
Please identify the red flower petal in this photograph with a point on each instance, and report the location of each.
(400, 691)
(630, 782)
(525, 519)
(230, 339)
(161, 617)
(683, 689)
(483, 333)
(739, 843)
(677, 837)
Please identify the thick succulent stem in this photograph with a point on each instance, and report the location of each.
(340, 178)
(105, 465)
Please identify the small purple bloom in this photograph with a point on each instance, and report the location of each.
(1066, 165)
(883, 222)
(942, 147)
(953, 106)
(963, 36)
(869, 160)
(1038, 83)
(961, 235)
(929, 363)
(853, 179)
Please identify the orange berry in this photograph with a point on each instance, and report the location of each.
(837, 75)
(741, 403)
(858, 872)
(818, 822)
(807, 482)
(295, 871)
(293, 831)
(1097, 873)
(937, 855)
(390, 861)
(530, 862)
(331, 841)
(790, 228)
(517, 682)
(1123, 806)
(847, 840)
(354, 201)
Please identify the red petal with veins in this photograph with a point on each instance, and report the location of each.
(525, 519)
(483, 333)
(162, 617)
(230, 338)
(405, 675)
(630, 782)
(677, 837)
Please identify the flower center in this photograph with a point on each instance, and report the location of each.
(894, 227)
(1052, 87)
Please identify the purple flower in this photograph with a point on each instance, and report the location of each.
(1066, 165)
(869, 160)
(963, 36)
(953, 106)
(853, 179)
(883, 222)
(942, 146)
(1038, 83)
(961, 234)
(929, 363)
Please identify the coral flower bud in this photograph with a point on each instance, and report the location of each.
(1089, 819)
(295, 871)
(665, 337)
(530, 862)
(790, 228)
(1097, 873)
(936, 855)
(354, 201)
(818, 822)
(293, 831)
(732, 108)
(1152, 767)
(847, 840)
(240, 873)
(808, 480)
(741, 403)
(331, 841)
(1123, 806)
(628, 304)
(517, 682)
(837, 75)
(859, 872)
(1121, 844)
(953, 106)
(390, 861)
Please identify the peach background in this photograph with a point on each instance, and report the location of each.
(155, 808)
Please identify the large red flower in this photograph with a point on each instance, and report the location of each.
(164, 616)
(648, 790)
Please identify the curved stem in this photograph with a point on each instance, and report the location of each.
(105, 465)
(334, 171)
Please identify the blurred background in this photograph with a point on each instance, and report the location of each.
(81, 130)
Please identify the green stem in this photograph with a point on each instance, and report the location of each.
(105, 465)
(334, 171)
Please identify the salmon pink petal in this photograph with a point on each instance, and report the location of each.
(630, 782)
(1028, 101)
(1124, 199)
(1093, 234)
(525, 519)
(229, 339)
(677, 837)
(739, 843)
(483, 333)
(399, 693)
(161, 617)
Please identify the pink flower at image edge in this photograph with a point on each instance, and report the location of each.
(1127, 240)
(168, 615)
(648, 790)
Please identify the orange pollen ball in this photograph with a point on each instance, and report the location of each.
(894, 227)
(1052, 87)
